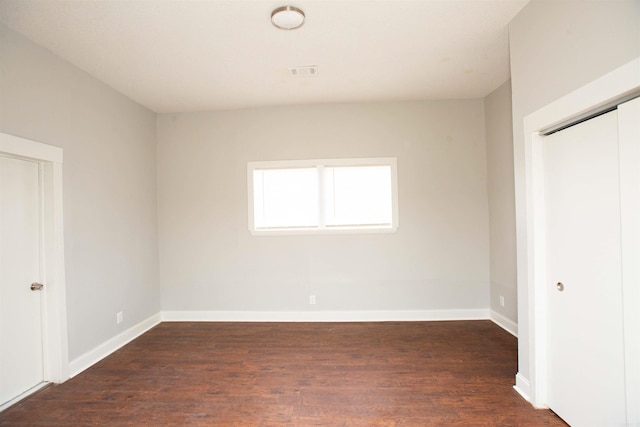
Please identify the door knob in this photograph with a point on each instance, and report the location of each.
(560, 286)
(35, 286)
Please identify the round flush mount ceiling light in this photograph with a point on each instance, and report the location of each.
(287, 17)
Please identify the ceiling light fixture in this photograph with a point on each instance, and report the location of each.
(287, 17)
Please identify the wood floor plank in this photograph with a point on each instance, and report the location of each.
(296, 374)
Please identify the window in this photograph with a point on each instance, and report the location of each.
(323, 196)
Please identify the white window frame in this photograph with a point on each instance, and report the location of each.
(320, 163)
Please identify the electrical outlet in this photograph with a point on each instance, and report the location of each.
(501, 301)
(119, 317)
(312, 299)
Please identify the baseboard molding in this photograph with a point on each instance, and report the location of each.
(24, 395)
(522, 387)
(92, 357)
(505, 323)
(322, 316)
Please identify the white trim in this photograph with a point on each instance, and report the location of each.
(522, 387)
(531, 243)
(504, 322)
(309, 163)
(56, 358)
(614, 85)
(322, 316)
(105, 349)
(325, 231)
(92, 357)
(320, 227)
(26, 394)
(29, 149)
(629, 154)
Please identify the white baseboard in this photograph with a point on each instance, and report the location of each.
(505, 323)
(522, 387)
(322, 316)
(92, 357)
(23, 395)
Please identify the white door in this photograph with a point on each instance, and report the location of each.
(21, 345)
(584, 274)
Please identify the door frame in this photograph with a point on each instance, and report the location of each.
(54, 324)
(618, 84)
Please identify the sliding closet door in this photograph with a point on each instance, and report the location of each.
(584, 273)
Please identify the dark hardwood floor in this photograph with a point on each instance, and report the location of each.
(296, 374)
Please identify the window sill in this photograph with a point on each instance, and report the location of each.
(320, 231)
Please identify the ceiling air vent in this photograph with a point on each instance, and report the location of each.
(308, 70)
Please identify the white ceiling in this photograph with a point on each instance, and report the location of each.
(183, 55)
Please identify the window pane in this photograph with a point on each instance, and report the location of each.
(358, 195)
(323, 196)
(285, 197)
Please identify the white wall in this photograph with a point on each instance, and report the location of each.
(437, 260)
(109, 176)
(502, 254)
(557, 47)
